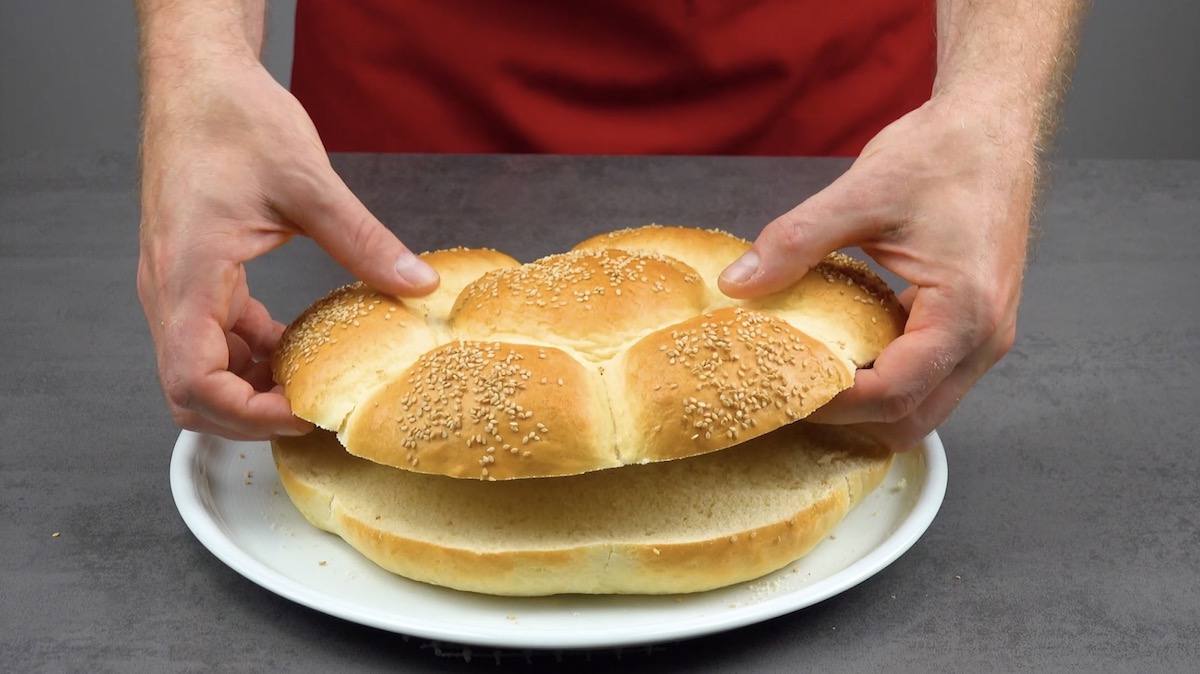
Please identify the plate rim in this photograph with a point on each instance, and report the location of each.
(203, 519)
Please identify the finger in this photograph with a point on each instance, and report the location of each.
(839, 216)
(256, 372)
(938, 335)
(258, 375)
(903, 374)
(232, 402)
(329, 212)
(195, 361)
(907, 297)
(194, 422)
(935, 409)
(260, 332)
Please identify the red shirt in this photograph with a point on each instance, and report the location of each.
(762, 77)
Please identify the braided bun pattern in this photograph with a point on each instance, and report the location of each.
(621, 351)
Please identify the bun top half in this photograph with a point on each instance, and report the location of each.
(620, 351)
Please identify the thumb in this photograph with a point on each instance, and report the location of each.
(341, 225)
(837, 217)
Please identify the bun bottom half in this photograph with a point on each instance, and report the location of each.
(662, 528)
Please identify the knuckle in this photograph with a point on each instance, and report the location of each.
(304, 190)
(305, 178)
(898, 405)
(182, 419)
(791, 232)
(180, 393)
(144, 285)
(996, 328)
(1005, 341)
(994, 316)
(365, 235)
(186, 419)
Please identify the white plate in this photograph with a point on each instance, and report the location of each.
(230, 496)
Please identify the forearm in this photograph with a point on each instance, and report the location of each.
(1009, 60)
(191, 53)
(180, 40)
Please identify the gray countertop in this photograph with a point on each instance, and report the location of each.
(1068, 539)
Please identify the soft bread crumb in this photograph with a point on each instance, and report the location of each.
(637, 529)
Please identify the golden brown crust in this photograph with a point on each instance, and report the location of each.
(457, 268)
(564, 299)
(682, 526)
(854, 311)
(488, 410)
(607, 312)
(719, 379)
(843, 303)
(708, 251)
(348, 342)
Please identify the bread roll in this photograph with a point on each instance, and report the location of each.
(622, 351)
(660, 528)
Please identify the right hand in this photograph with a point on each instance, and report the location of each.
(232, 167)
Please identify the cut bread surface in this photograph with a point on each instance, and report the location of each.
(660, 528)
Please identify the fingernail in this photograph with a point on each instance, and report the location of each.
(413, 270)
(292, 432)
(742, 268)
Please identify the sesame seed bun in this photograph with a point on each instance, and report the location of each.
(322, 383)
(476, 409)
(706, 251)
(619, 352)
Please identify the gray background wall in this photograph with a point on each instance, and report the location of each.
(68, 78)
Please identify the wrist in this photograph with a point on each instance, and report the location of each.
(200, 27)
(181, 45)
(994, 116)
(1009, 61)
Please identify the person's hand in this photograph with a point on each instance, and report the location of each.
(942, 198)
(232, 168)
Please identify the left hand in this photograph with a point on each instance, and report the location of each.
(942, 198)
